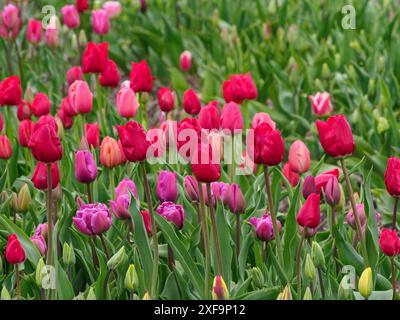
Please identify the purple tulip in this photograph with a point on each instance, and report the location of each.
(350, 219)
(40, 243)
(167, 189)
(332, 191)
(192, 188)
(173, 213)
(264, 227)
(41, 230)
(308, 186)
(219, 190)
(85, 166)
(124, 187)
(93, 219)
(120, 206)
(235, 199)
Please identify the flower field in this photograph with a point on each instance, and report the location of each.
(196, 150)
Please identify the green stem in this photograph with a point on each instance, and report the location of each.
(298, 257)
(393, 277)
(237, 237)
(396, 201)
(321, 283)
(106, 284)
(18, 287)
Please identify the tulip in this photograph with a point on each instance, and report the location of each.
(264, 228)
(92, 134)
(209, 117)
(95, 58)
(127, 103)
(191, 102)
(204, 165)
(321, 104)
(286, 294)
(85, 166)
(68, 255)
(389, 242)
(191, 188)
(292, 176)
(365, 285)
(110, 153)
(332, 191)
(41, 105)
(80, 97)
(219, 290)
(5, 295)
(38, 273)
(123, 193)
(238, 88)
(350, 218)
(322, 179)
(5, 148)
(117, 259)
(173, 213)
(10, 22)
(392, 177)
(189, 134)
(82, 5)
(299, 157)
(40, 244)
(166, 99)
(113, 8)
(167, 188)
(140, 77)
(185, 60)
(235, 199)
(39, 177)
(309, 214)
(134, 141)
(231, 118)
(34, 31)
(52, 37)
(110, 76)
(24, 199)
(260, 118)
(66, 121)
(24, 111)
(317, 255)
(269, 147)
(93, 219)
(10, 91)
(219, 190)
(100, 22)
(70, 16)
(131, 279)
(14, 253)
(73, 74)
(45, 144)
(335, 136)
(146, 220)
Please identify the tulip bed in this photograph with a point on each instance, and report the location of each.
(109, 111)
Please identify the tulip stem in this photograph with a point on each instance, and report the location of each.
(273, 216)
(49, 217)
(355, 212)
(335, 253)
(393, 277)
(215, 230)
(106, 284)
(200, 223)
(232, 164)
(396, 202)
(321, 283)
(9, 59)
(103, 242)
(18, 287)
(237, 237)
(153, 232)
(206, 241)
(298, 257)
(89, 193)
(94, 253)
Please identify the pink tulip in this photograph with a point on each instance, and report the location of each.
(92, 219)
(321, 104)
(299, 157)
(185, 60)
(70, 16)
(231, 118)
(127, 103)
(10, 17)
(34, 31)
(260, 118)
(100, 22)
(167, 188)
(235, 199)
(80, 97)
(264, 228)
(40, 243)
(85, 166)
(123, 192)
(113, 8)
(173, 213)
(52, 37)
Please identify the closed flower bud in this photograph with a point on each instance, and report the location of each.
(191, 188)
(307, 294)
(14, 252)
(5, 295)
(167, 188)
(365, 283)
(110, 76)
(309, 268)
(286, 294)
(146, 296)
(45, 143)
(5, 148)
(185, 60)
(345, 291)
(93, 134)
(321, 104)
(14, 202)
(166, 99)
(231, 118)
(219, 289)
(269, 148)
(141, 79)
(24, 199)
(309, 214)
(235, 199)
(317, 255)
(299, 157)
(39, 273)
(209, 116)
(117, 259)
(91, 294)
(131, 279)
(10, 91)
(41, 105)
(127, 103)
(100, 22)
(85, 166)
(110, 153)
(392, 177)
(191, 102)
(257, 277)
(68, 255)
(389, 242)
(332, 191)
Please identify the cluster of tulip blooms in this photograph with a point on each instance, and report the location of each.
(39, 131)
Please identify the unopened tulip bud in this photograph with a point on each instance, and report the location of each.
(286, 294)
(60, 127)
(117, 259)
(307, 294)
(365, 283)
(68, 254)
(317, 255)
(131, 279)
(79, 202)
(308, 186)
(381, 64)
(39, 273)
(345, 292)
(24, 199)
(219, 290)
(146, 296)
(82, 38)
(80, 296)
(74, 42)
(309, 269)
(382, 125)
(91, 294)
(5, 295)
(28, 95)
(257, 277)
(332, 191)
(371, 87)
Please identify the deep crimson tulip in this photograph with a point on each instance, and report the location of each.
(24, 132)
(41, 105)
(166, 99)
(110, 153)
(5, 147)
(46, 120)
(67, 107)
(299, 157)
(389, 242)
(269, 148)
(24, 111)
(34, 31)
(309, 214)
(14, 251)
(82, 5)
(308, 186)
(209, 116)
(10, 91)
(39, 177)
(231, 118)
(322, 179)
(204, 165)
(73, 74)
(70, 16)
(93, 134)
(335, 136)
(95, 57)
(45, 144)
(100, 22)
(392, 177)
(110, 76)
(66, 120)
(185, 60)
(140, 77)
(292, 176)
(134, 141)
(332, 191)
(85, 166)
(191, 102)
(80, 97)
(238, 88)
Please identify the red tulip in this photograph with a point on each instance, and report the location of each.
(308, 186)
(14, 251)
(185, 60)
(67, 107)
(5, 148)
(166, 99)
(46, 120)
(24, 111)
(309, 214)
(204, 165)
(335, 136)
(189, 136)
(110, 153)
(10, 91)
(269, 147)
(45, 144)
(110, 76)
(231, 118)
(134, 141)
(41, 105)
(140, 77)
(291, 175)
(66, 120)
(389, 242)
(70, 16)
(82, 5)
(209, 116)
(73, 74)
(80, 97)
(191, 102)
(146, 220)
(92, 134)
(299, 157)
(392, 177)
(239, 87)
(34, 31)
(95, 57)
(100, 22)
(39, 177)
(322, 179)
(24, 132)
